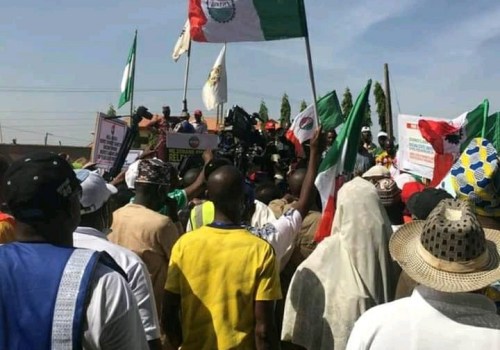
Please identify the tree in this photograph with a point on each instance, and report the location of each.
(263, 112)
(285, 111)
(111, 111)
(347, 103)
(368, 115)
(379, 94)
(303, 105)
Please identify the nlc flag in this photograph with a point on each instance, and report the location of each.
(221, 21)
(215, 89)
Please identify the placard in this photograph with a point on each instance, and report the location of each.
(185, 145)
(416, 155)
(108, 138)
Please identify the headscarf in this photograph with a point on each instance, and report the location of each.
(348, 273)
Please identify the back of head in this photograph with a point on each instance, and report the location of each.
(190, 176)
(226, 190)
(267, 192)
(421, 204)
(296, 180)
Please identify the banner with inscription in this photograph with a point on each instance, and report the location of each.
(109, 135)
(185, 145)
(416, 155)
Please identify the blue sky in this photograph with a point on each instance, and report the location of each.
(443, 57)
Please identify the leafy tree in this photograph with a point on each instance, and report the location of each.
(285, 111)
(263, 111)
(368, 115)
(111, 111)
(347, 103)
(379, 94)
(303, 105)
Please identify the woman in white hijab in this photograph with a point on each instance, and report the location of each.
(348, 273)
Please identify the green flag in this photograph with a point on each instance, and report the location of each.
(127, 86)
(493, 130)
(329, 111)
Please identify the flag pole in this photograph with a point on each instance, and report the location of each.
(133, 77)
(186, 77)
(309, 60)
(486, 110)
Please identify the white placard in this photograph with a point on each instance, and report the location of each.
(185, 145)
(109, 135)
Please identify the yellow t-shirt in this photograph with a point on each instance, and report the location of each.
(219, 273)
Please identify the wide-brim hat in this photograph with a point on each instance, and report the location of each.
(439, 268)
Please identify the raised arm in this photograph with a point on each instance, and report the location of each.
(196, 187)
(307, 192)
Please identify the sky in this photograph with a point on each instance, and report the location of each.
(62, 61)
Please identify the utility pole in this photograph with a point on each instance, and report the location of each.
(1, 133)
(388, 108)
(47, 137)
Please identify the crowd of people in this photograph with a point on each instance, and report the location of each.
(221, 258)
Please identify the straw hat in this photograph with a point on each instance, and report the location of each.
(449, 252)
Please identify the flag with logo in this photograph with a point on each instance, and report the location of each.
(220, 21)
(339, 162)
(215, 89)
(182, 44)
(450, 139)
(127, 85)
(305, 124)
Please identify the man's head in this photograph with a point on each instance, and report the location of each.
(94, 200)
(382, 138)
(190, 176)
(166, 111)
(267, 192)
(421, 204)
(330, 137)
(296, 180)
(42, 192)
(366, 135)
(198, 115)
(226, 190)
(153, 183)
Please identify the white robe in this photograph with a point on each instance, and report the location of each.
(348, 273)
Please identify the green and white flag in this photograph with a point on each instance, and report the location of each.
(224, 21)
(127, 86)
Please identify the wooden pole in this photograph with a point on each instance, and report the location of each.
(388, 106)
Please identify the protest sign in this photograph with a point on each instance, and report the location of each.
(132, 156)
(185, 145)
(108, 138)
(416, 155)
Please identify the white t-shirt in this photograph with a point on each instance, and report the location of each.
(139, 280)
(429, 320)
(113, 321)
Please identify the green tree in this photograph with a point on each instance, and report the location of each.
(303, 105)
(263, 111)
(347, 103)
(285, 111)
(368, 115)
(379, 95)
(111, 111)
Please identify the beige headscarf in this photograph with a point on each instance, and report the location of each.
(348, 273)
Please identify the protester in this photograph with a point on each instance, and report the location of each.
(376, 173)
(387, 155)
(382, 138)
(53, 295)
(390, 197)
(139, 227)
(200, 127)
(95, 220)
(453, 259)
(364, 160)
(348, 273)
(267, 192)
(367, 140)
(7, 222)
(184, 126)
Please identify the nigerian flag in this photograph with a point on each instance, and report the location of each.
(127, 86)
(221, 21)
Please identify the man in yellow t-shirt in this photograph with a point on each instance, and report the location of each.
(222, 279)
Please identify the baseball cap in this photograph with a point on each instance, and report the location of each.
(270, 126)
(365, 129)
(197, 112)
(38, 185)
(382, 134)
(95, 191)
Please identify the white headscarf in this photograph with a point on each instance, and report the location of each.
(348, 273)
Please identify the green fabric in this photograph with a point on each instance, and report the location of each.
(349, 136)
(474, 124)
(329, 111)
(128, 89)
(281, 19)
(493, 130)
(177, 194)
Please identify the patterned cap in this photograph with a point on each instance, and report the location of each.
(388, 192)
(475, 177)
(38, 185)
(154, 171)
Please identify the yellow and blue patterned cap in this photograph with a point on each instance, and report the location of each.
(475, 177)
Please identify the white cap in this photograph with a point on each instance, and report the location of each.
(95, 191)
(382, 134)
(365, 129)
(377, 171)
(131, 174)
